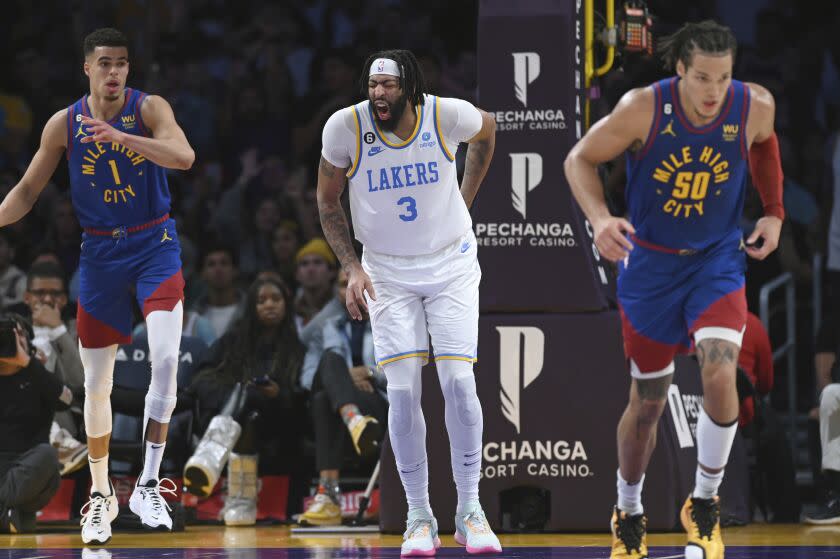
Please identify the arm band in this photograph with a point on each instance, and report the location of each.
(766, 171)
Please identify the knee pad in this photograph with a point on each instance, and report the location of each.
(97, 408)
(165, 374)
(401, 412)
(467, 406)
(99, 379)
(159, 407)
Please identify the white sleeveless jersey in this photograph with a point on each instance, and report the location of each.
(404, 195)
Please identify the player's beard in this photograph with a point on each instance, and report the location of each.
(395, 110)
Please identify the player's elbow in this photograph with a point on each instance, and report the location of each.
(186, 160)
(570, 162)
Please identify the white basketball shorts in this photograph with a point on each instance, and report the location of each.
(431, 294)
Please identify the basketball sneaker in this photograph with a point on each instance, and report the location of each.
(629, 535)
(97, 515)
(366, 434)
(322, 512)
(421, 535)
(473, 531)
(701, 519)
(828, 512)
(72, 454)
(147, 502)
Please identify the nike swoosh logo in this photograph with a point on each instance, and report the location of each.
(374, 150)
(465, 247)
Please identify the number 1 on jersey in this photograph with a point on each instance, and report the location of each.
(113, 165)
(410, 208)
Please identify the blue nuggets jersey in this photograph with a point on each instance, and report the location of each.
(111, 185)
(685, 187)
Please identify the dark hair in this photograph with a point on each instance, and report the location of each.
(411, 81)
(104, 37)
(46, 270)
(707, 36)
(241, 359)
(215, 246)
(24, 325)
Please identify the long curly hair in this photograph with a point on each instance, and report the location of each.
(241, 355)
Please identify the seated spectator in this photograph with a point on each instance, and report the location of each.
(773, 474)
(285, 243)
(756, 360)
(349, 405)
(223, 302)
(29, 395)
(826, 419)
(12, 278)
(316, 303)
(255, 249)
(58, 348)
(250, 399)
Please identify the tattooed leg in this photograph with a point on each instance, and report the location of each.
(718, 361)
(637, 427)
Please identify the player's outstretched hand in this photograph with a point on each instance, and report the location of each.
(611, 237)
(357, 283)
(764, 238)
(99, 131)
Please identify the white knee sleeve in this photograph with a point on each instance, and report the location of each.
(464, 421)
(164, 329)
(98, 364)
(407, 429)
(830, 427)
(465, 424)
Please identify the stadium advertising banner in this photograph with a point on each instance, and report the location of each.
(552, 389)
(534, 247)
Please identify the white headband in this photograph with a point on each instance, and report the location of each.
(385, 66)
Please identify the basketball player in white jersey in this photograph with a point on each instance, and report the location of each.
(419, 273)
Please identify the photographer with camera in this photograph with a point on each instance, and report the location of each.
(29, 397)
(58, 346)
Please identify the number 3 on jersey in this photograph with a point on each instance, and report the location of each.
(410, 208)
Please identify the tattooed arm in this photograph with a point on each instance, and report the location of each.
(331, 182)
(479, 154)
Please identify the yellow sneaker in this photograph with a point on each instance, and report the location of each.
(629, 535)
(366, 434)
(322, 512)
(701, 519)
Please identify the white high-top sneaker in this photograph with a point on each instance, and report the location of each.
(147, 503)
(97, 515)
(204, 467)
(243, 486)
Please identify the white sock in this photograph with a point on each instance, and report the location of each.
(706, 484)
(714, 441)
(630, 495)
(151, 464)
(99, 475)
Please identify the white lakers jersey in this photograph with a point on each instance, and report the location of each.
(404, 195)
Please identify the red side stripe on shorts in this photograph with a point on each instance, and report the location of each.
(166, 296)
(93, 333)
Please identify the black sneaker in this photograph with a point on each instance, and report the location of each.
(829, 511)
